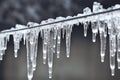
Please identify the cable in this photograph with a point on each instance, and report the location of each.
(63, 20)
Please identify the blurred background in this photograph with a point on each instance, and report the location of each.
(84, 62)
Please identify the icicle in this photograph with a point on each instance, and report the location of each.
(54, 39)
(16, 44)
(16, 47)
(118, 50)
(116, 31)
(50, 54)
(35, 51)
(85, 28)
(63, 33)
(29, 61)
(24, 37)
(33, 42)
(86, 11)
(17, 36)
(50, 63)
(68, 39)
(45, 47)
(112, 46)
(58, 42)
(51, 34)
(112, 64)
(45, 39)
(31, 45)
(103, 46)
(94, 27)
(3, 44)
(102, 32)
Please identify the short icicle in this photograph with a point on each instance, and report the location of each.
(94, 27)
(17, 36)
(86, 24)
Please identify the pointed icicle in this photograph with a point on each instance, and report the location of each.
(50, 63)
(118, 50)
(102, 32)
(35, 55)
(68, 39)
(54, 39)
(16, 43)
(94, 27)
(50, 54)
(16, 47)
(103, 46)
(1, 44)
(33, 43)
(17, 36)
(33, 52)
(45, 46)
(29, 61)
(86, 11)
(58, 42)
(85, 28)
(112, 46)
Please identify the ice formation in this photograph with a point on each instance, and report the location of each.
(52, 30)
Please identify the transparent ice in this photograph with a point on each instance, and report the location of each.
(107, 25)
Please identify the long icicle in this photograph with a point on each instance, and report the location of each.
(68, 39)
(50, 53)
(118, 50)
(58, 42)
(45, 46)
(102, 32)
(54, 39)
(112, 45)
(33, 43)
(29, 61)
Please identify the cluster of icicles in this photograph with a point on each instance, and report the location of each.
(107, 23)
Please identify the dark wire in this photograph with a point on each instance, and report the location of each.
(7, 31)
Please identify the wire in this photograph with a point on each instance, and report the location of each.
(63, 20)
